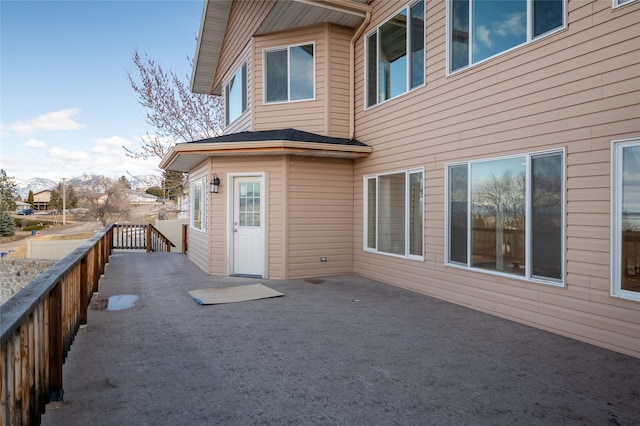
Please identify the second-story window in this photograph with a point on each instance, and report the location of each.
(290, 73)
(480, 29)
(235, 93)
(395, 55)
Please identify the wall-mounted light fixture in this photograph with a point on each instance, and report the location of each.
(215, 184)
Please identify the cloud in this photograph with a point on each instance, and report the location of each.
(34, 143)
(110, 146)
(484, 35)
(68, 156)
(515, 24)
(51, 121)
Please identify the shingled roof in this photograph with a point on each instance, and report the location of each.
(184, 156)
(280, 135)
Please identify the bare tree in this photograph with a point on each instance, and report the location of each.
(105, 198)
(176, 114)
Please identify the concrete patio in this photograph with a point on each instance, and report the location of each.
(337, 350)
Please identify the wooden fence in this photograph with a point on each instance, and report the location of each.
(140, 237)
(38, 326)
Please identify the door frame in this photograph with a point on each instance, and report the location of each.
(231, 180)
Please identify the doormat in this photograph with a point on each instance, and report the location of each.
(239, 293)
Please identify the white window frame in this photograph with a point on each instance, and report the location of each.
(528, 276)
(530, 37)
(376, 30)
(617, 147)
(264, 73)
(201, 184)
(619, 3)
(244, 69)
(407, 212)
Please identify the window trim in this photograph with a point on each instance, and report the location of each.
(407, 213)
(528, 276)
(376, 30)
(617, 147)
(264, 73)
(619, 3)
(202, 183)
(530, 37)
(244, 69)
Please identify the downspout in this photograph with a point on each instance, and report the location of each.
(352, 76)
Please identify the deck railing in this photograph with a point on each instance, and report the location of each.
(39, 324)
(140, 237)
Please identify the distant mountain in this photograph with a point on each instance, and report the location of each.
(38, 184)
(23, 186)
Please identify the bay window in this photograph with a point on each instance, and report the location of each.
(394, 208)
(235, 93)
(198, 205)
(506, 216)
(395, 55)
(625, 219)
(290, 73)
(480, 29)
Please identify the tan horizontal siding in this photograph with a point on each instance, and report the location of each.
(244, 19)
(320, 217)
(577, 89)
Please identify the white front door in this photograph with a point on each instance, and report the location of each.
(248, 226)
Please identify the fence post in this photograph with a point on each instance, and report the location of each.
(147, 234)
(55, 343)
(184, 238)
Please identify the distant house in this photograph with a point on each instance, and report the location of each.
(485, 153)
(41, 200)
(139, 197)
(22, 206)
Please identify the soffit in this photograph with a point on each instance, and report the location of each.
(285, 15)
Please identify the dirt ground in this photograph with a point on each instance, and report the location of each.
(16, 246)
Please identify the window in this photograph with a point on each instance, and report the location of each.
(235, 93)
(506, 215)
(198, 205)
(391, 71)
(290, 74)
(625, 219)
(617, 3)
(480, 29)
(394, 214)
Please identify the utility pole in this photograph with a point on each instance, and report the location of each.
(64, 202)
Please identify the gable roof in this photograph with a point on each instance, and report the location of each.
(184, 156)
(284, 15)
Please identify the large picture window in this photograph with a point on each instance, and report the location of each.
(198, 205)
(480, 29)
(394, 207)
(506, 215)
(290, 73)
(235, 93)
(395, 55)
(625, 219)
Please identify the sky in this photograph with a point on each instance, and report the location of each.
(66, 104)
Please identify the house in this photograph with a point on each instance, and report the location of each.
(21, 206)
(484, 153)
(41, 200)
(140, 197)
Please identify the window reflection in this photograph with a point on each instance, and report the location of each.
(498, 215)
(631, 218)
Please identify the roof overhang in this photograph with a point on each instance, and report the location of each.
(285, 15)
(185, 156)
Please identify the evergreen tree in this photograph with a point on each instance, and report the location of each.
(30, 199)
(7, 224)
(7, 192)
(71, 200)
